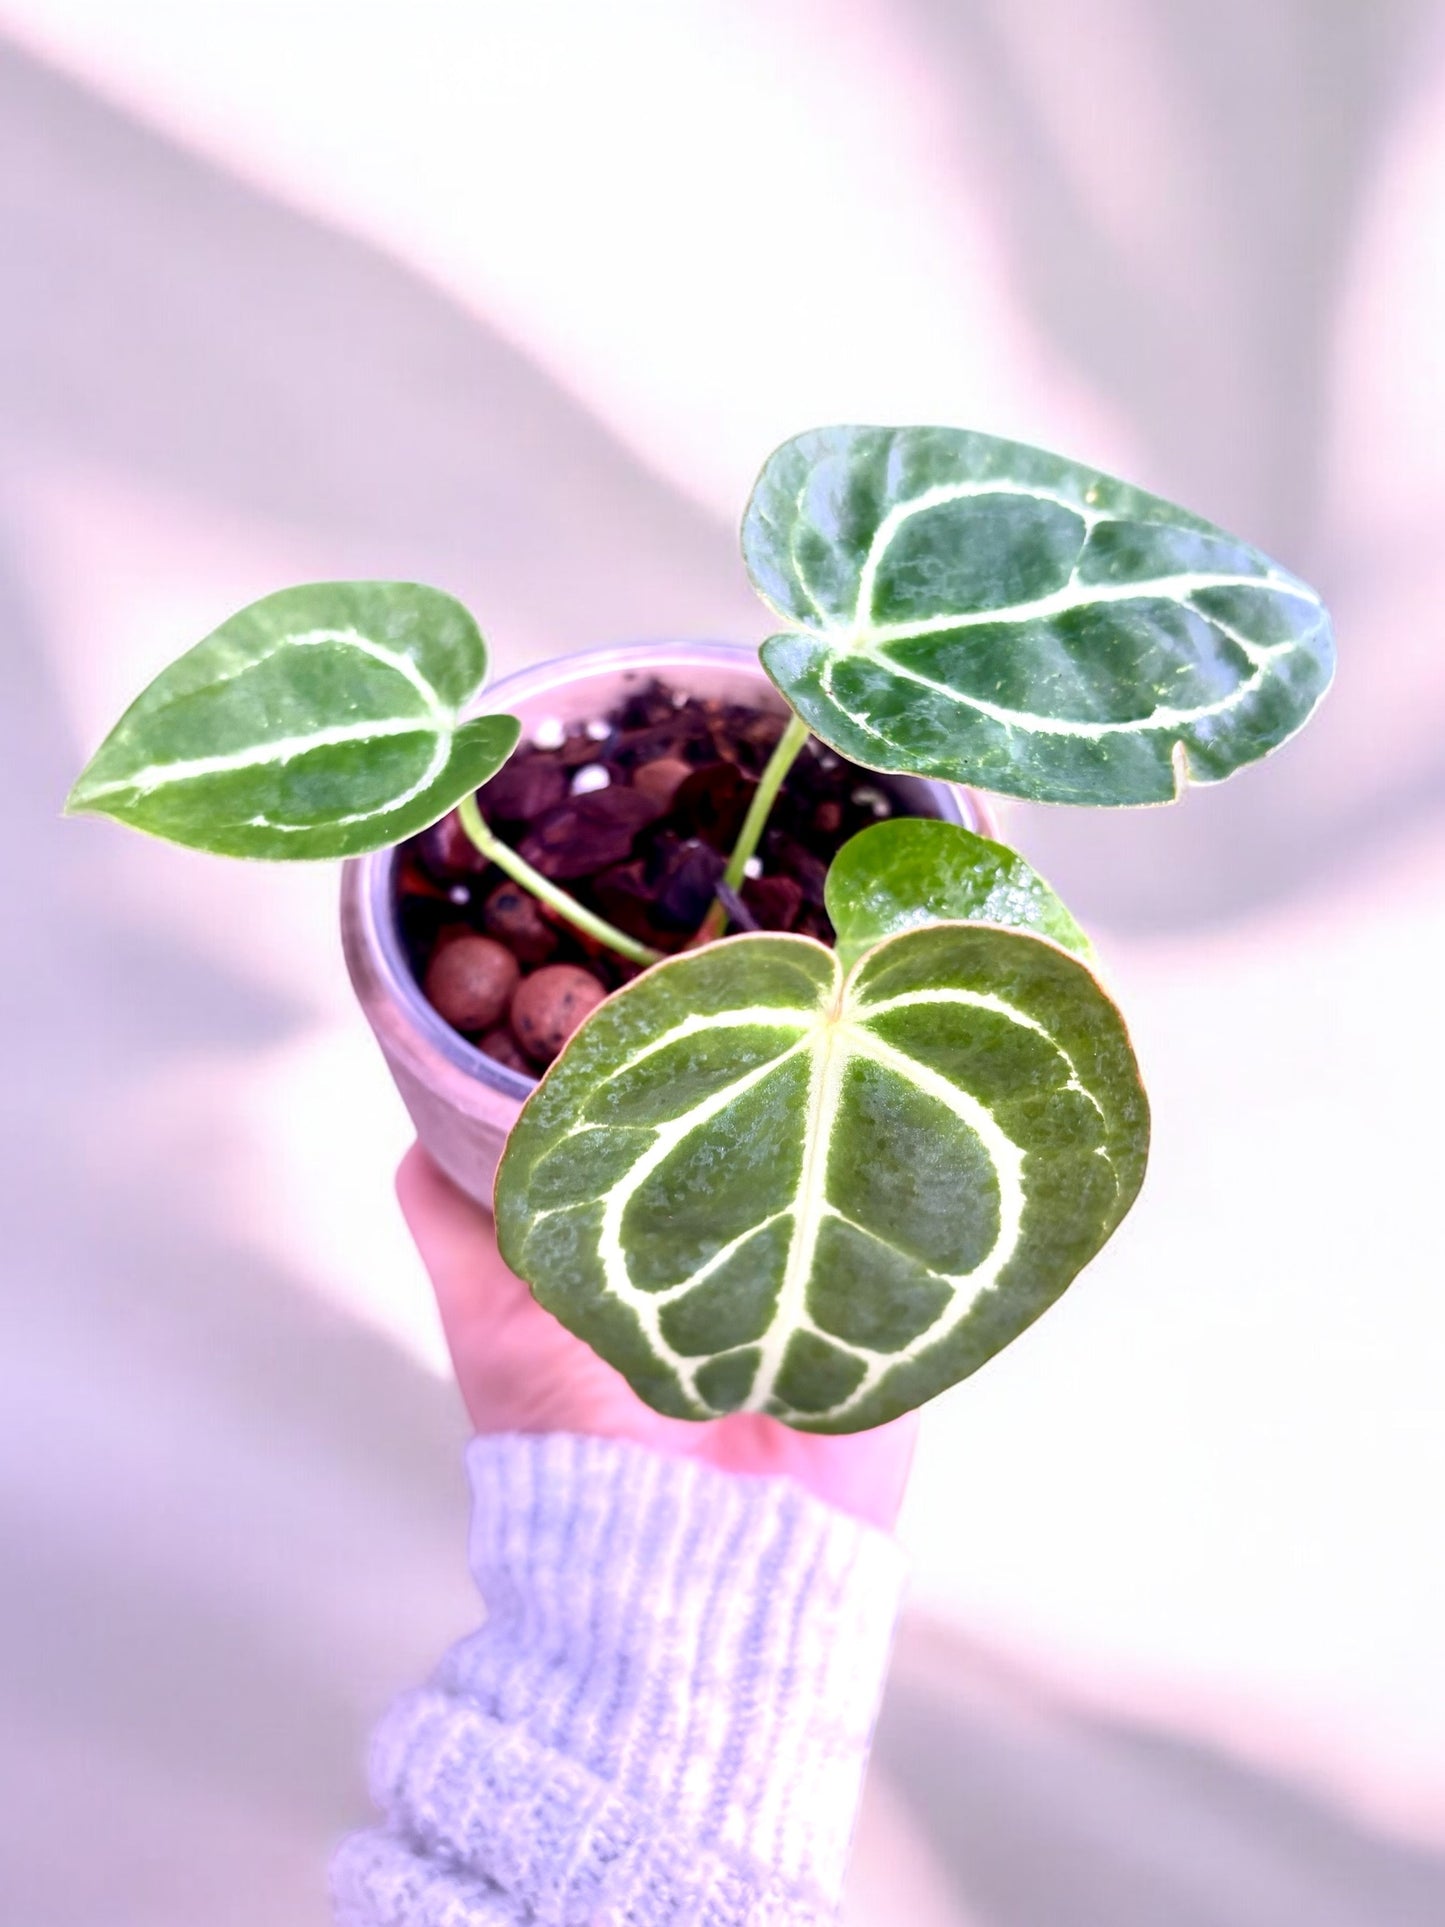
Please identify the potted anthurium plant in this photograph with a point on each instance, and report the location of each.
(824, 1166)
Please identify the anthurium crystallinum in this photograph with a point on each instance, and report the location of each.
(821, 1171)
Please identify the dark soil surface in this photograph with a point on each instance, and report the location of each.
(634, 815)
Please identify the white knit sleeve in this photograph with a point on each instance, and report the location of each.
(663, 1721)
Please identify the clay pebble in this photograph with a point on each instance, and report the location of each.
(470, 982)
(514, 917)
(549, 1005)
(502, 1047)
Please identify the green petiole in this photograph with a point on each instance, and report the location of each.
(520, 871)
(789, 746)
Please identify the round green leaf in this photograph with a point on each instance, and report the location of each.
(322, 721)
(753, 1183)
(981, 611)
(915, 870)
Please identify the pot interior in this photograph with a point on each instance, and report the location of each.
(580, 688)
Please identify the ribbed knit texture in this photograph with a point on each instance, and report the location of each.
(663, 1721)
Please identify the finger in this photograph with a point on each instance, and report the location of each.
(458, 1244)
(519, 1370)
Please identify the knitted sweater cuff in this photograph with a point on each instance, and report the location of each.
(664, 1719)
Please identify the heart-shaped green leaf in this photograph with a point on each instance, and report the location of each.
(977, 610)
(918, 870)
(319, 722)
(751, 1182)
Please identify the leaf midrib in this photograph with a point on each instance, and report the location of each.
(281, 749)
(825, 1088)
(865, 637)
(836, 1040)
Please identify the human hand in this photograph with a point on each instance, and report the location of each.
(520, 1371)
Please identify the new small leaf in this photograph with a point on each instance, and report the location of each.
(916, 870)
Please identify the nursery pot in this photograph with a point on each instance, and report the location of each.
(462, 1102)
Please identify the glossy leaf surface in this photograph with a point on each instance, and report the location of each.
(916, 870)
(978, 610)
(322, 721)
(752, 1183)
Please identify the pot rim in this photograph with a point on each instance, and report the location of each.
(375, 955)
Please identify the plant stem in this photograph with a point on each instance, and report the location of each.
(755, 822)
(520, 871)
